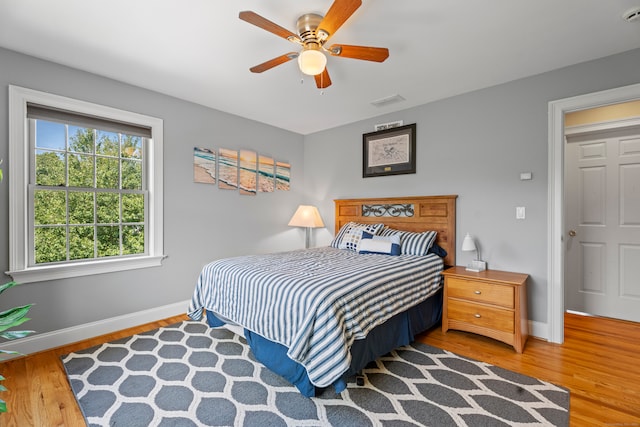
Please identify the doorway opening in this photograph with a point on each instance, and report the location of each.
(556, 225)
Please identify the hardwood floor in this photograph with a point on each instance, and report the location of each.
(39, 394)
(598, 363)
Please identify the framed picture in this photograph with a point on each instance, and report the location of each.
(389, 151)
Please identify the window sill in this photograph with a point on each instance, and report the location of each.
(65, 271)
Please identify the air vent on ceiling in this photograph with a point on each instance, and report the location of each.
(632, 14)
(387, 100)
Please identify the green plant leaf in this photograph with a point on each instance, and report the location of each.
(7, 285)
(3, 406)
(14, 335)
(3, 388)
(10, 352)
(14, 313)
(16, 323)
(14, 317)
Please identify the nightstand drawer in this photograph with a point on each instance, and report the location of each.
(480, 315)
(481, 292)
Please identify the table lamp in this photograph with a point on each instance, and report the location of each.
(468, 244)
(308, 217)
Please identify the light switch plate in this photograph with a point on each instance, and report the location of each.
(525, 176)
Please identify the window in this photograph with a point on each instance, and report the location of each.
(86, 188)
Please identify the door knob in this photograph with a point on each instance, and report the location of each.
(572, 233)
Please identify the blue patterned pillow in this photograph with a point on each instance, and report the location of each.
(387, 245)
(351, 233)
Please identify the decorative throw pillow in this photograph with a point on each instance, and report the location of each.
(388, 231)
(438, 250)
(387, 245)
(414, 243)
(351, 233)
(417, 243)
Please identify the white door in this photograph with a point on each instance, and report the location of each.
(602, 224)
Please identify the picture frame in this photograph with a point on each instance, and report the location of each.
(389, 152)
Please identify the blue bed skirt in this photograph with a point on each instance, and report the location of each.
(399, 330)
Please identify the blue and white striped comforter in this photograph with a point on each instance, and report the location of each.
(315, 302)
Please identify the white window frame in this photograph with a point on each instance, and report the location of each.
(19, 156)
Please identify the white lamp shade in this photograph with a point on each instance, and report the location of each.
(468, 244)
(306, 216)
(312, 62)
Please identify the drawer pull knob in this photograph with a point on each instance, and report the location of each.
(477, 292)
(477, 315)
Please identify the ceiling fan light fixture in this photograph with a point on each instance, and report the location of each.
(313, 31)
(312, 62)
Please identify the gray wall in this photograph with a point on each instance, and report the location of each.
(202, 222)
(474, 145)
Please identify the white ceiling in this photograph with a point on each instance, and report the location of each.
(199, 50)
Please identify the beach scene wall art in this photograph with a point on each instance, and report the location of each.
(227, 169)
(283, 176)
(266, 174)
(246, 171)
(248, 184)
(204, 165)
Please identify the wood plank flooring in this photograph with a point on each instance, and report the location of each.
(598, 363)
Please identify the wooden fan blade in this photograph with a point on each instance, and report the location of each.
(265, 24)
(337, 14)
(323, 80)
(273, 62)
(367, 53)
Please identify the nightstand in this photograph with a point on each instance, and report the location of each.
(491, 303)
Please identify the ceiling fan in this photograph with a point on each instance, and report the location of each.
(313, 32)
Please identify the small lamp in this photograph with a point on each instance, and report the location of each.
(468, 244)
(308, 217)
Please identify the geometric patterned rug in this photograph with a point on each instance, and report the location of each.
(188, 374)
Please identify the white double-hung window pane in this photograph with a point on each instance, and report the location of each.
(91, 195)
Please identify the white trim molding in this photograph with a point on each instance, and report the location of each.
(538, 330)
(48, 340)
(19, 156)
(555, 212)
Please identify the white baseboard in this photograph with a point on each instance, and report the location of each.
(48, 340)
(539, 330)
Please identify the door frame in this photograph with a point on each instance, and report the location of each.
(555, 194)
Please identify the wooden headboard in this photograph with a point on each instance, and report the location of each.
(421, 213)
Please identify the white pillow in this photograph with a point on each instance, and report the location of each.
(388, 245)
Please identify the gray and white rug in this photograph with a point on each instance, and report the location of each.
(188, 374)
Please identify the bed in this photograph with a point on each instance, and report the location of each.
(318, 316)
